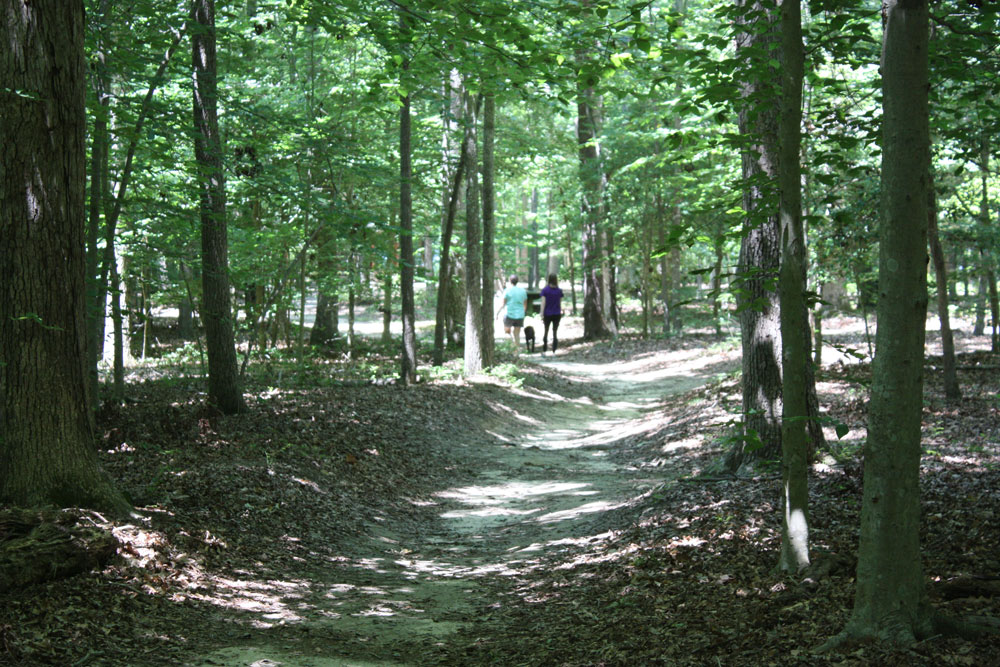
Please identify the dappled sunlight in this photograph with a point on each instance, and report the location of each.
(500, 407)
(596, 433)
(490, 512)
(271, 600)
(492, 495)
(576, 512)
(685, 444)
(583, 541)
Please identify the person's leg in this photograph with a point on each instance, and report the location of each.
(547, 319)
(517, 341)
(555, 331)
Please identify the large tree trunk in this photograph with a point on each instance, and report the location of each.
(326, 323)
(223, 369)
(473, 249)
(489, 231)
(890, 597)
(792, 287)
(46, 426)
(597, 322)
(757, 301)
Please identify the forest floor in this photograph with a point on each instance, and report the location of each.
(565, 513)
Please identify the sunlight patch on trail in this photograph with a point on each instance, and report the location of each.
(495, 494)
(597, 433)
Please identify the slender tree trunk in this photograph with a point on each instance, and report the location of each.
(719, 244)
(980, 326)
(451, 184)
(185, 309)
(890, 597)
(387, 308)
(984, 212)
(473, 249)
(661, 238)
(533, 263)
(444, 265)
(223, 369)
(572, 268)
(951, 389)
(119, 349)
(408, 361)
(792, 287)
(489, 231)
(98, 180)
(48, 456)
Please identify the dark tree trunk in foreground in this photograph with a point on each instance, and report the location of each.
(223, 368)
(890, 601)
(792, 288)
(48, 455)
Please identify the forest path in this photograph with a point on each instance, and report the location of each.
(553, 479)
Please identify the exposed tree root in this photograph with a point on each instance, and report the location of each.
(37, 546)
(966, 587)
(903, 632)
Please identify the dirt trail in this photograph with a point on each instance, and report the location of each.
(548, 483)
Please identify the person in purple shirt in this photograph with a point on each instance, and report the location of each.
(551, 312)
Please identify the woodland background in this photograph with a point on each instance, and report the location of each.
(249, 212)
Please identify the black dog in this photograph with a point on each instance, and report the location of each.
(529, 338)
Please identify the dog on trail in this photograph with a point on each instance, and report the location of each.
(529, 338)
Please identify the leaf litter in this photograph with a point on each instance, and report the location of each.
(559, 522)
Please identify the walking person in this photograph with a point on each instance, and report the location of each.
(514, 299)
(551, 312)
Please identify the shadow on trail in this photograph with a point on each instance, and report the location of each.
(550, 483)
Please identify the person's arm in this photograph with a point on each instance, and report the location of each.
(542, 312)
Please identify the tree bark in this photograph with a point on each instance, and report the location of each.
(98, 181)
(792, 287)
(473, 249)
(444, 268)
(984, 213)
(223, 369)
(46, 425)
(597, 323)
(757, 301)
(407, 313)
(489, 231)
(890, 596)
(951, 389)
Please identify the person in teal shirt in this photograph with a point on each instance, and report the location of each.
(514, 298)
